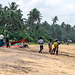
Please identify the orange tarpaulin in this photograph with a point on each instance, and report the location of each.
(14, 42)
(13, 46)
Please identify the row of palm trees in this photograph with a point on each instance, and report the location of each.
(11, 20)
(11, 17)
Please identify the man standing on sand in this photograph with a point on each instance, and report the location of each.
(41, 42)
(1, 39)
(57, 47)
(67, 42)
(50, 46)
(7, 40)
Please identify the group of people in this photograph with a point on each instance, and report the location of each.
(2, 41)
(50, 43)
(6, 42)
(41, 42)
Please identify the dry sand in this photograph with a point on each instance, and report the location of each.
(27, 61)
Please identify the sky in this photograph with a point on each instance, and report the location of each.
(63, 9)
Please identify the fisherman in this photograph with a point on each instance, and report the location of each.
(55, 47)
(1, 39)
(7, 40)
(41, 42)
(50, 46)
(67, 42)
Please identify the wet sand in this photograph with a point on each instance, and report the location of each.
(27, 61)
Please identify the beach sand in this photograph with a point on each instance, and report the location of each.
(28, 61)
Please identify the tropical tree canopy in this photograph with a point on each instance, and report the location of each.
(12, 21)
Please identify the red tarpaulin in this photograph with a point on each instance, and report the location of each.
(14, 42)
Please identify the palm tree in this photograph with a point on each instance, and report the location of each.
(34, 16)
(74, 26)
(0, 6)
(68, 27)
(55, 19)
(63, 25)
(13, 6)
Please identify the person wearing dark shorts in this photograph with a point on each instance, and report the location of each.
(41, 41)
(25, 44)
(1, 39)
(7, 40)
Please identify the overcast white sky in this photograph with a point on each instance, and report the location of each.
(64, 9)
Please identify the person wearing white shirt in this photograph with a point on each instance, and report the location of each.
(41, 41)
(25, 44)
(1, 39)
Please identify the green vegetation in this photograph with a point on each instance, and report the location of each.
(69, 44)
(11, 21)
